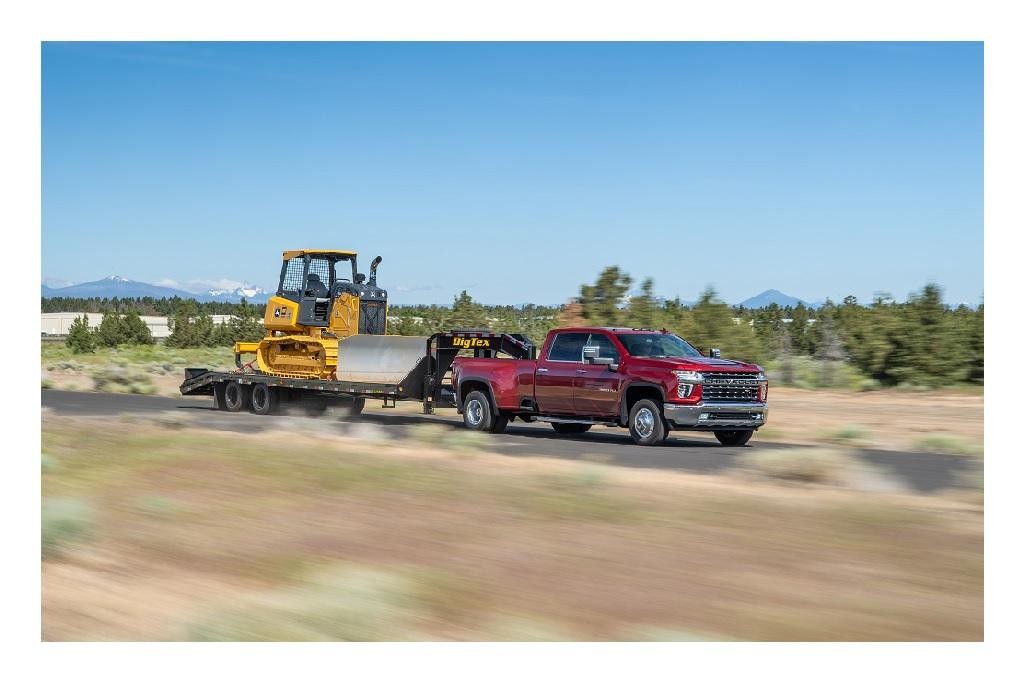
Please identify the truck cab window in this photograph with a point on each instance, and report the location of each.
(568, 347)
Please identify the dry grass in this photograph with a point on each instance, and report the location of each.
(281, 535)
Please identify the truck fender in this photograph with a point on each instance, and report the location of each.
(624, 406)
(482, 380)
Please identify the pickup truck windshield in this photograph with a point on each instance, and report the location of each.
(657, 346)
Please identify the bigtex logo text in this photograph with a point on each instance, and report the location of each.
(471, 343)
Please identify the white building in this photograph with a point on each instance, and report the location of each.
(59, 324)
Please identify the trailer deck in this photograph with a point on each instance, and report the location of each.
(424, 382)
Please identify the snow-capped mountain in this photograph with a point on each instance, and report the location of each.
(253, 294)
(116, 286)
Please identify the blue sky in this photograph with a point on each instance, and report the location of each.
(518, 171)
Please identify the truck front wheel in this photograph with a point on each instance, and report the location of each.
(646, 423)
(733, 438)
(478, 415)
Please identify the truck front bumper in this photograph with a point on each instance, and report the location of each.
(709, 416)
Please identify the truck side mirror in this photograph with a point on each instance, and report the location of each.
(715, 353)
(590, 356)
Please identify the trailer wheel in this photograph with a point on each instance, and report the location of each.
(478, 415)
(733, 438)
(236, 396)
(646, 423)
(315, 407)
(265, 399)
(355, 407)
(570, 429)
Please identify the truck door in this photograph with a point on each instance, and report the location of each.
(596, 388)
(556, 373)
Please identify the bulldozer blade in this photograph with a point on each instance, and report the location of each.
(374, 358)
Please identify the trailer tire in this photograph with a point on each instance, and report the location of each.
(570, 429)
(734, 439)
(355, 407)
(264, 399)
(647, 424)
(236, 396)
(315, 407)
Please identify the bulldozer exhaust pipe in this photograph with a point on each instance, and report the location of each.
(373, 270)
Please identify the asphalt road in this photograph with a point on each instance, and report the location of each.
(697, 453)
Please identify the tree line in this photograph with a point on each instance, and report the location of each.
(191, 326)
(161, 307)
(919, 342)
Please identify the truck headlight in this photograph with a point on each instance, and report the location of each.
(687, 380)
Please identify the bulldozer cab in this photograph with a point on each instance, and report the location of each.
(309, 278)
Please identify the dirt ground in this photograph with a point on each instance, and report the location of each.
(187, 536)
(892, 420)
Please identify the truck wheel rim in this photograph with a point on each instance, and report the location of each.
(474, 412)
(644, 422)
(257, 399)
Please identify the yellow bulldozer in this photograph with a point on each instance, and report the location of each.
(321, 300)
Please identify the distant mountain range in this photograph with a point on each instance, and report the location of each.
(115, 286)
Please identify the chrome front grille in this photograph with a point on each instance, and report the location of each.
(730, 386)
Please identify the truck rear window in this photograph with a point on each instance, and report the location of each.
(568, 347)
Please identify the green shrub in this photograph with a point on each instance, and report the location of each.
(114, 379)
(950, 445)
(803, 465)
(346, 603)
(65, 521)
(49, 463)
(851, 434)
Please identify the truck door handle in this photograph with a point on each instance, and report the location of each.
(542, 369)
(581, 371)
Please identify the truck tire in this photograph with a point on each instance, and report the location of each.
(264, 399)
(647, 424)
(570, 429)
(478, 415)
(236, 396)
(733, 438)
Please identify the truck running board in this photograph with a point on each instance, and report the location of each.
(569, 420)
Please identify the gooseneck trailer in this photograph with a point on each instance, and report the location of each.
(374, 366)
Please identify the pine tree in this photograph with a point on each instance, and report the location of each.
(247, 324)
(136, 330)
(715, 326)
(112, 331)
(80, 337)
(643, 310)
(601, 301)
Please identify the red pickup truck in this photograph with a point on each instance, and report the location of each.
(649, 381)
